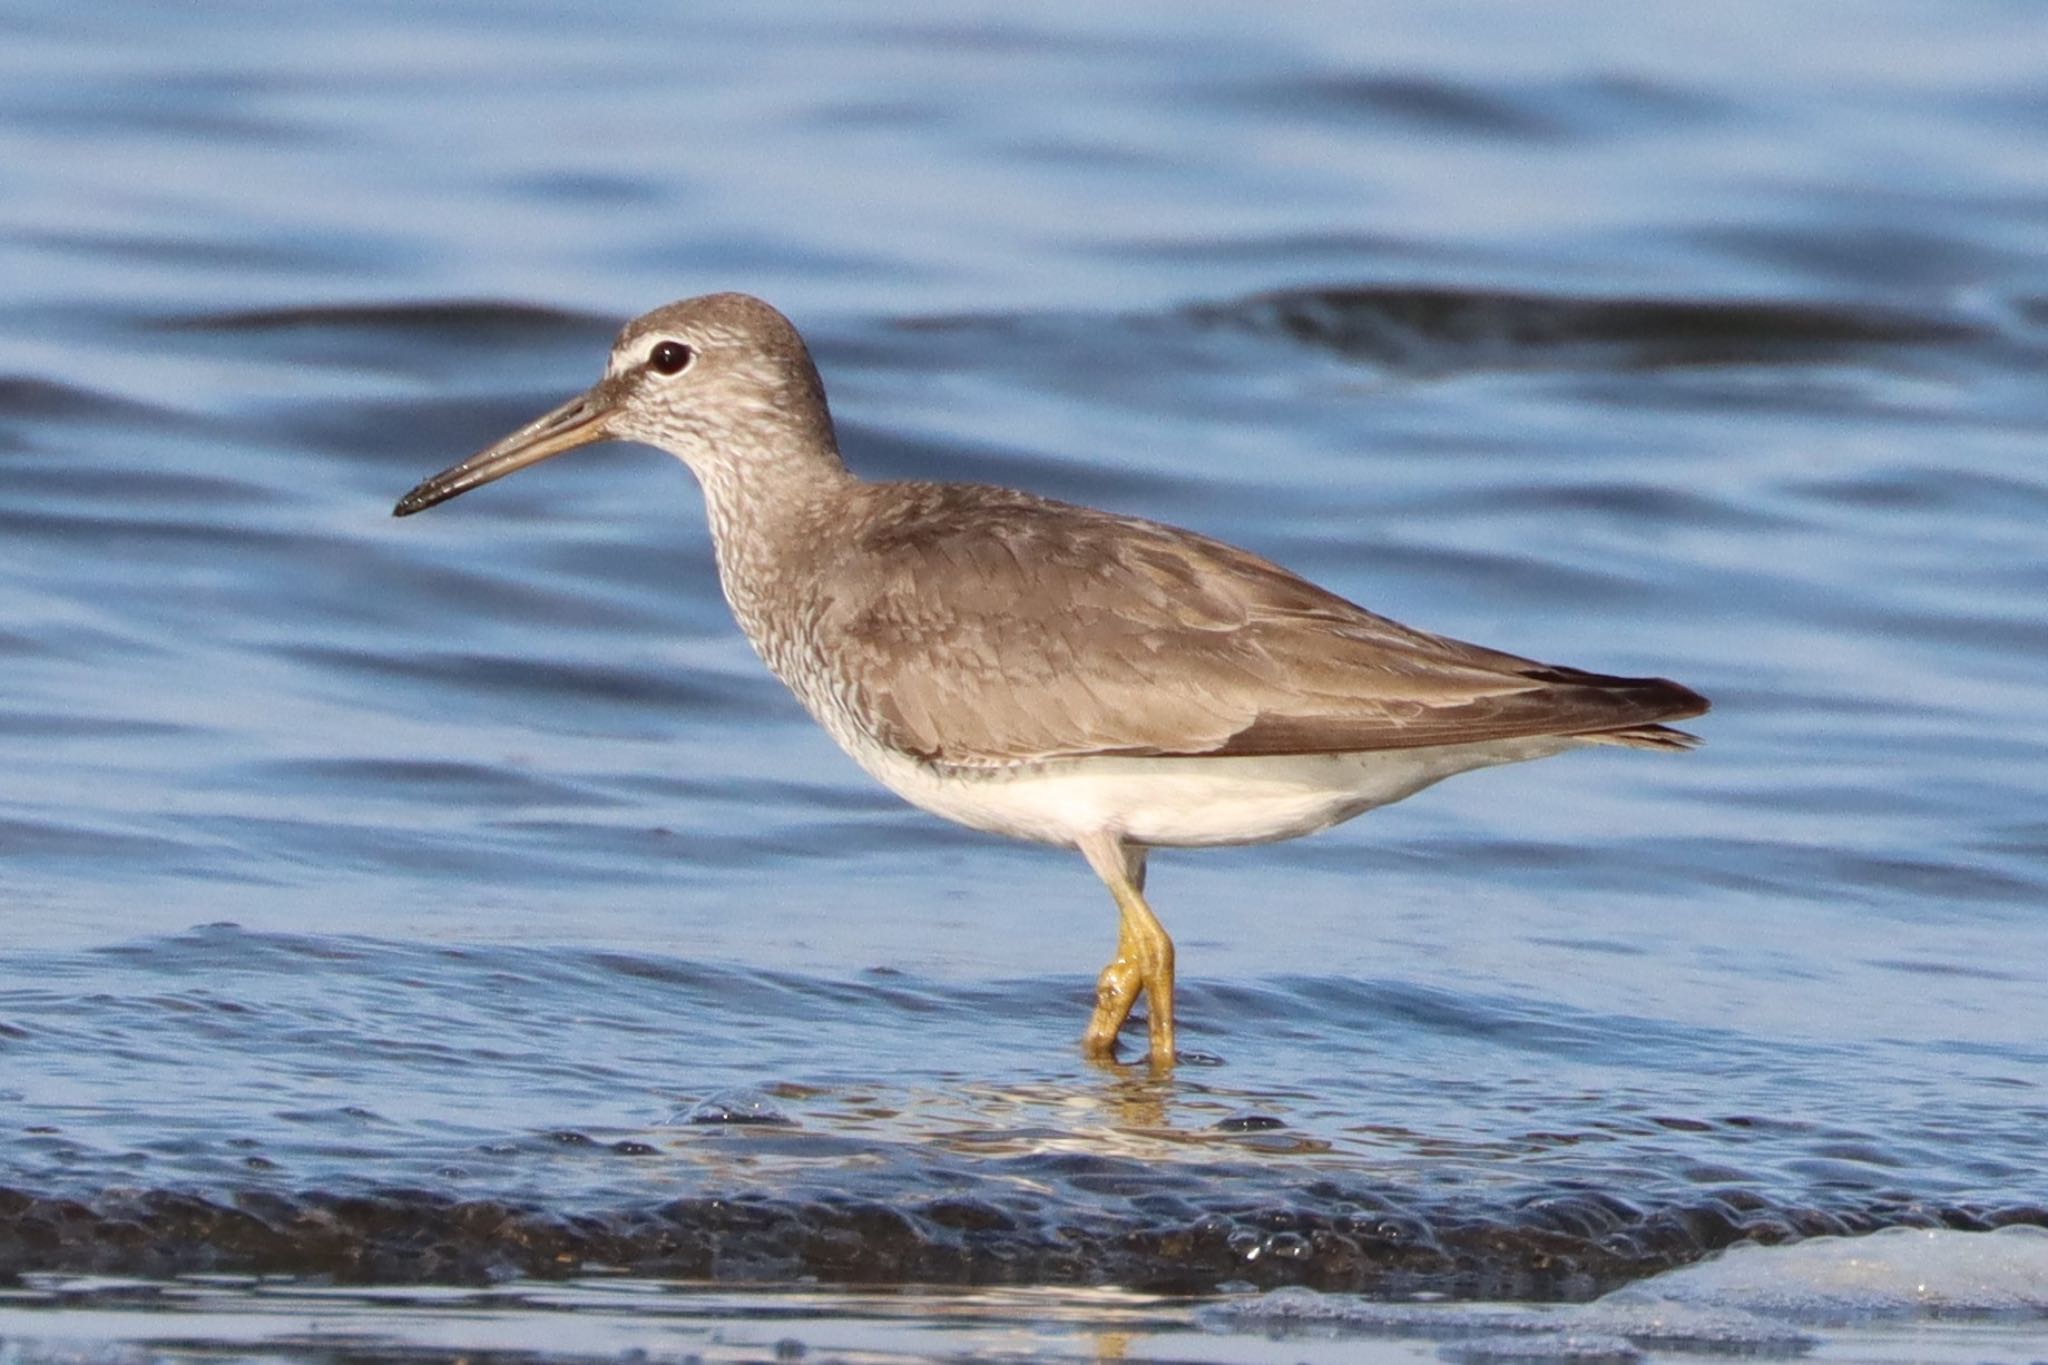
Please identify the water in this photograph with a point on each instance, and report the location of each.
(456, 899)
(1893, 1296)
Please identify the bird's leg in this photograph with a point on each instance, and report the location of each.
(1155, 957)
(1144, 955)
(1116, 990)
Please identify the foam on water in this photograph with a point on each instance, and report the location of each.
(1750, 1300)
(1896, 1273)
(1629, 1325)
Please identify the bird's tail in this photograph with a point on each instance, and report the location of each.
(1647, 737)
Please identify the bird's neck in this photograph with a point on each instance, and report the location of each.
(770, 525)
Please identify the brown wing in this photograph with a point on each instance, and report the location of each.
(988, 627)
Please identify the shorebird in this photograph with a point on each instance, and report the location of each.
(1049, 671)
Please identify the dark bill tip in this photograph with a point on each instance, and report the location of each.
(577, 422)
(419, 500)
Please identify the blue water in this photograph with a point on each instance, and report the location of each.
(473, 863)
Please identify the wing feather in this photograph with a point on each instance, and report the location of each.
(1062, 631)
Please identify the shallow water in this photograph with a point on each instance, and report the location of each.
(1897, 1295)
(457, 898)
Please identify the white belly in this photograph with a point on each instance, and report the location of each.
(1183, 802)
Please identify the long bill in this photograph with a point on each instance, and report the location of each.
(577, 422)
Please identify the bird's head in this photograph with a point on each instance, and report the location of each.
(723, 382)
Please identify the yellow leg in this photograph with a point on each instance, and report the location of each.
(1116, 990)
(1144, 956)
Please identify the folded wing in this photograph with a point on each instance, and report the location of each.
(1065, 632)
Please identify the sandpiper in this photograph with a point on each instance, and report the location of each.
(1049, 671)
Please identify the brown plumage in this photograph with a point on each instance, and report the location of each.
(1066, 632)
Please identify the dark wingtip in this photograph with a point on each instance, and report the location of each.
(1659, 698)
(1685, 702)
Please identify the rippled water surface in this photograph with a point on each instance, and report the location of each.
(457, 898)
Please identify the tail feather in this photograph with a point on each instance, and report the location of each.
(1647, 737)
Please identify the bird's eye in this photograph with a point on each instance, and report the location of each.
(670, 357)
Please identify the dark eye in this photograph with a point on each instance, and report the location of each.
(670, 357)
